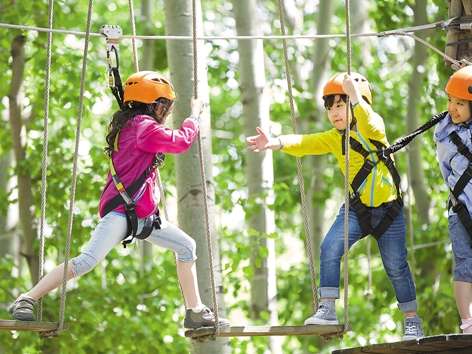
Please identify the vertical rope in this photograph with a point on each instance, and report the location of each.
(136, 68)
(301, 181)
(74, 169)
(133, 39)
(202, 169)
(44, 163)
(369, 266)
(410, 223)
(346, 174)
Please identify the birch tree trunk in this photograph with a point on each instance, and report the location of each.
(6, 237)
(259, 168)
(417, 178)
(320, 74)
(25, 197)
(189, 189)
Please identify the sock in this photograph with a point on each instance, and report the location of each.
(197, 309)
(327, 301)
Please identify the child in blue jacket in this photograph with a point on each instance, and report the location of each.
(453, 136)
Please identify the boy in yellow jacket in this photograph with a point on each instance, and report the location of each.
(376, 207)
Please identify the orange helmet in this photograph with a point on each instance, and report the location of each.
(147, 87)
(460, 84)
(334, 86)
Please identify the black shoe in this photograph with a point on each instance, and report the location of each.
(23, 308)
(204, 318)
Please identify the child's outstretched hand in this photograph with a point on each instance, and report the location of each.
(258, 142)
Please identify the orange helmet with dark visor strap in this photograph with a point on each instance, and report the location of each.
(460, 84)
(147, 87)
(334, 86)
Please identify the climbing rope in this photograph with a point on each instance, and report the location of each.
(396, 32)
(74, 169)
(133, 38)
(44, 161)
(457, 63)
(202, 171)
(301, 181)
(346, 173)
(136, 67)
(410, 221)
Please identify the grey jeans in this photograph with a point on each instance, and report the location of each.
(111, 230)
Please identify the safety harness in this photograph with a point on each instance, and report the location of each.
(113, 35)
(454, 202)
(364, 213)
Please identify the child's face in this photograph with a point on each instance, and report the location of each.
(458, 109)
(337, 113)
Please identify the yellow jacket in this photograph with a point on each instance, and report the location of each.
(379, 186)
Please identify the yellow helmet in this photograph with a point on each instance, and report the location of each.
(147, 87)
(334, 86)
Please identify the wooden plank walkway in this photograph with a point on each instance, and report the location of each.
(440, 344)
(252, 331)
(10, 325)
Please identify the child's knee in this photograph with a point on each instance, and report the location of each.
(463, 270)
(187, 252)
(330, 251)
(83, 263)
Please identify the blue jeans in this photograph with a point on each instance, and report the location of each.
(462, 248)
(392, 250)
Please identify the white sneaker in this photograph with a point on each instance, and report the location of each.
(325, 315)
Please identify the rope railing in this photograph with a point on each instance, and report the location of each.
(395, 32)
(208, 234)
(300, 179)
(346, 172)
(74, 169)
(44, 161)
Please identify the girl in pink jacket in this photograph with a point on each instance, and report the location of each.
(137, 139)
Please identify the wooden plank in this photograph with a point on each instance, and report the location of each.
(10, 325)
(440, 344)
(253, 331)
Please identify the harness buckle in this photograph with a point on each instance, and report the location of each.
(112, 34)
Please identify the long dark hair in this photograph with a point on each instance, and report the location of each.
(125, 114)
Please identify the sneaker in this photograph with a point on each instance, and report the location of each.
(325, 315)
(204, 318)
(466, 326)
(413, 328)
(23, 308)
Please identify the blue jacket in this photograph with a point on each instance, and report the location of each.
(451, 162)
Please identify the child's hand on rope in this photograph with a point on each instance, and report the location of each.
(350, 87)
(197, 109)
(261, 142)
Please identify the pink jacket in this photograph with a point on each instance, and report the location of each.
(140, 139)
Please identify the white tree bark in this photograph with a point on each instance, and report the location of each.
(417, 178)
(259, 168)
(320, 74)
(25, 197)
(6, 237)
(189, 189)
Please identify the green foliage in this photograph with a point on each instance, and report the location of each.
(119, 309)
